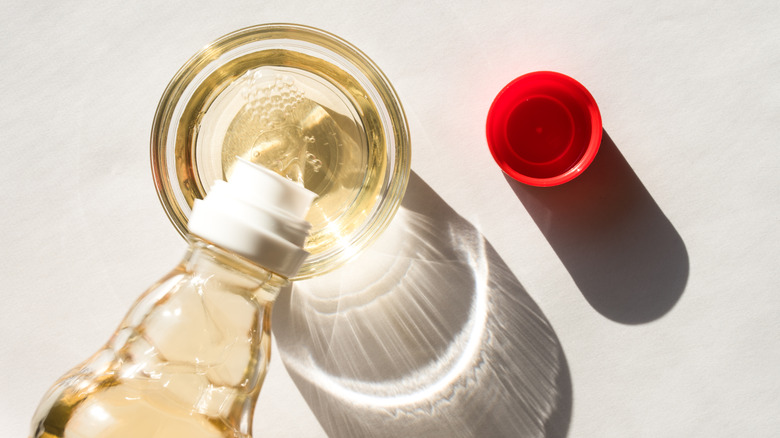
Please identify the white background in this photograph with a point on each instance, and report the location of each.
(685, 208)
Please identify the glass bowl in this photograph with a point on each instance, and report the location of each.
(302, 102)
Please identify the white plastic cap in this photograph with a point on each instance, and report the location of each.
(258, 215)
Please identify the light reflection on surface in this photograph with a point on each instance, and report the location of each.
(427, 333)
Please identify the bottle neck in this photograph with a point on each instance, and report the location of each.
(231, 271)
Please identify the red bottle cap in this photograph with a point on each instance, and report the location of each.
(544, 128)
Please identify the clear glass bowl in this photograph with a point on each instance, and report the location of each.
(302, 102)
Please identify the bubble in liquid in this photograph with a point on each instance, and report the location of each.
(313, 161)
(276, 104)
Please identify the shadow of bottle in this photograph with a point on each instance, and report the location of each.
(426, 333)
(622, 252)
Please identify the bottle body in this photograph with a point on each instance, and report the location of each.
(187, 361)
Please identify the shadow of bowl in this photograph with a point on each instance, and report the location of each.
(427, 333)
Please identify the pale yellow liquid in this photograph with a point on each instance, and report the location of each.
(298, 115)
(188, 361)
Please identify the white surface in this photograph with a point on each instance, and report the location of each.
(689, 95)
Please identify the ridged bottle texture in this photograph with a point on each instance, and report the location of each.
(187, 361)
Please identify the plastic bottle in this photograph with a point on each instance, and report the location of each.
(189, 358)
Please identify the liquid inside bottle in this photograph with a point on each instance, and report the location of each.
(187, 361)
